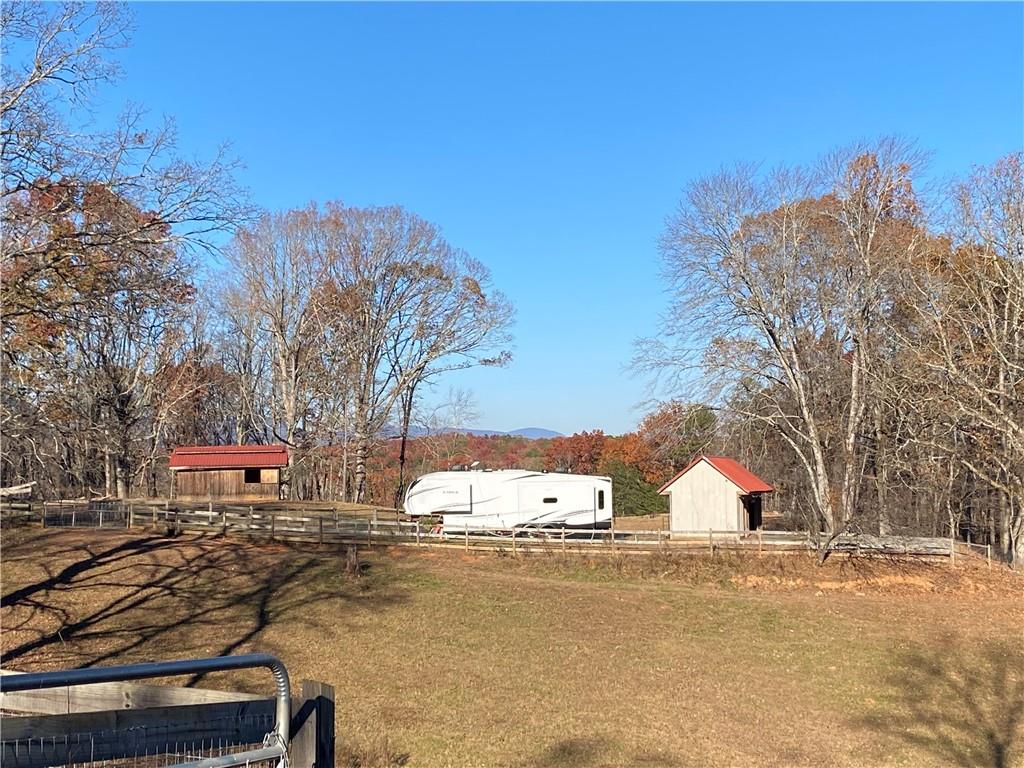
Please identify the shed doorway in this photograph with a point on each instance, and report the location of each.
(752, 508)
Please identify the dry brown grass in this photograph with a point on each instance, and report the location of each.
(642, 522)
(443, 659)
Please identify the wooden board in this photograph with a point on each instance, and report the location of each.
(110, 696)
(223, 484)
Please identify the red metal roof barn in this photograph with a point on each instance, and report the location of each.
(715, 493)
(228, 472)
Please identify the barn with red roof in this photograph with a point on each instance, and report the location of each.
(227, 472)
(715, 493)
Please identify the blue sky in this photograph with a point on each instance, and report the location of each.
(551, 141)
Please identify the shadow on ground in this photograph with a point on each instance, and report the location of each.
(112, 600)
(962, 704)
(595, 751)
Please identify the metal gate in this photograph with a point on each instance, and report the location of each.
(220, 734)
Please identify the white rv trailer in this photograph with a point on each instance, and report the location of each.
(512, 498)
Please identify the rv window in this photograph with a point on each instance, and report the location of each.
(252, 475)
(550, 500)
(600, 499)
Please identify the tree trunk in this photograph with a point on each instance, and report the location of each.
(362, 452)
(407, 402)
(344, 468)
(122, 474)
(108, 473)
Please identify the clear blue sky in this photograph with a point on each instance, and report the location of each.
(551, 141)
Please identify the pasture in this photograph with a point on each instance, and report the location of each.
(447, 659)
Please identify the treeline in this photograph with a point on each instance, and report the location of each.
(857, 342)
(321, 326)
(863, 341)
(638, 462)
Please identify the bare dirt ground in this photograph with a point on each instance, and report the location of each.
(443, 659)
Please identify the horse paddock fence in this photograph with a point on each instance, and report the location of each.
(371, 526)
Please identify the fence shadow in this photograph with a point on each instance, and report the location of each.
(963, 704)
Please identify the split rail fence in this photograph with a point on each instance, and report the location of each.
(377, 526)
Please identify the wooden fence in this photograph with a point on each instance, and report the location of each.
(379, 526)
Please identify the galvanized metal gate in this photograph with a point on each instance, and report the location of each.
(220, 734)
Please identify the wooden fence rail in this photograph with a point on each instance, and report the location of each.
(387, 527)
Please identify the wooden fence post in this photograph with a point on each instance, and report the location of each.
(513, 541)
(988, 555)
(248, 525)
(273, 525)
(614, 546)
(760, 541)
(73, 517)
(952, 551)
(417, 531)
(320, 519)
(563, 541)
(130, 516)
(711, 542)
(224, 521)
(312, 741)
(369, 532)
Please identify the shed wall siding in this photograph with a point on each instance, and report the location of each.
(223, 484)
(704, 499)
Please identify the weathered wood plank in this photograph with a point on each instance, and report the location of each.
(302, 749)
(324, 694)
(110, 696)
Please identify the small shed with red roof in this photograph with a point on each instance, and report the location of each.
(715, 493)
(227, 472)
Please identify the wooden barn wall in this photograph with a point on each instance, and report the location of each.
(200, 485)
(704, 499)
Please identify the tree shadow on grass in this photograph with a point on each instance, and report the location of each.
(595, 751)
(155, 597)
(963, 704)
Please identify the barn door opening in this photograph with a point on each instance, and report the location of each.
(752, 508)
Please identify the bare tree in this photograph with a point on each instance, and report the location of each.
(277, 272)
(406, 306)
(966, 341)
(443, 425)
(89, 221)
(780, 282)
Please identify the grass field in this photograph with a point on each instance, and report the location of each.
(441, 659)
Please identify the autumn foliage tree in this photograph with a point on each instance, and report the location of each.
(863, 340)
(97, 229)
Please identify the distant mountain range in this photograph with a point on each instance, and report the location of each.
(530, 433)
